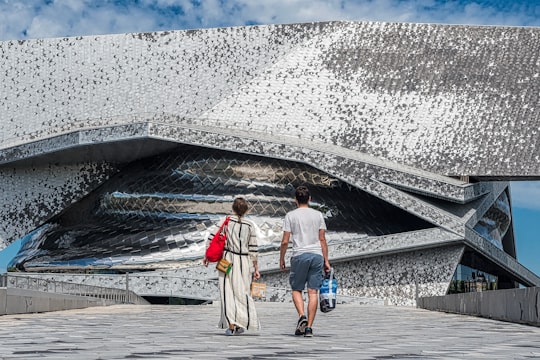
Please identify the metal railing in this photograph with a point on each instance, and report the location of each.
(118, 296)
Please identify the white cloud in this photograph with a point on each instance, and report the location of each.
(525, 194)
(20, 19)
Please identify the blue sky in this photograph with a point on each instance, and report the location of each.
(27, 19)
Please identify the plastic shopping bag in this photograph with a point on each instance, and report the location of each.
(327, 293)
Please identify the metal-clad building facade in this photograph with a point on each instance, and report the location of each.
(120, 152)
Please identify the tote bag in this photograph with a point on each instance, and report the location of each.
(217, 244)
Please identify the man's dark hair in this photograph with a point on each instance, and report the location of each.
(302, 194)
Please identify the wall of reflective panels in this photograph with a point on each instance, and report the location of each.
(161, 210)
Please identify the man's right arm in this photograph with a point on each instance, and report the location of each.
(283, 249)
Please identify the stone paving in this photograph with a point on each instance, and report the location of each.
(189, 332)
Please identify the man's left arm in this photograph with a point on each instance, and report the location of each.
(324, 247)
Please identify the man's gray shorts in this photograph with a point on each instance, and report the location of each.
(306, 268)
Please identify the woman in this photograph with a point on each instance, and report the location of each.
(237, 306)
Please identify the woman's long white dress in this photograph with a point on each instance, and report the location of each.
(237, 305)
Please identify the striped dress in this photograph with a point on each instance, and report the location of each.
(237, 305)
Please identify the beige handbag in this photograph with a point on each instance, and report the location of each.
(224, 266)
(258, 290)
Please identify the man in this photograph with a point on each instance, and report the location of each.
(307, 228)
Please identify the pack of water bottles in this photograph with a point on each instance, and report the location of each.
(327, 293)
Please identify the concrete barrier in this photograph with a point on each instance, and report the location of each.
(513, 305)
(22, 301)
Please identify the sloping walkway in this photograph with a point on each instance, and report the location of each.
(189, 332)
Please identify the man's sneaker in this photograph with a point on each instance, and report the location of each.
(238, 330)
(301, 326)
(229, 332)
(308, 332)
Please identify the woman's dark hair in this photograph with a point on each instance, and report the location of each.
(240, 206)
(302, 194)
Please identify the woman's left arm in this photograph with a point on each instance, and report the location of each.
(256, 274)
(253, 249)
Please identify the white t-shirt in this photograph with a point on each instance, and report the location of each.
(304, 225)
